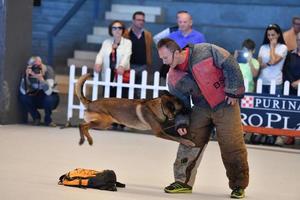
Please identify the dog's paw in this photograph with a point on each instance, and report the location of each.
(188, 143)
(90, 140)
(81, 141)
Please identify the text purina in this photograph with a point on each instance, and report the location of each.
(271, 112)
(277, 104)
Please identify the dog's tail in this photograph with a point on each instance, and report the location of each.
(79, 89)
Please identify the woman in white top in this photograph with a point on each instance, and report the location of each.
(114, 54)
(271, 58)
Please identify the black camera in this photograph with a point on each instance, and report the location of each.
(36, 69)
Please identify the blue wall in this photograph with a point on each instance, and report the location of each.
(71, 37)
(227, 23)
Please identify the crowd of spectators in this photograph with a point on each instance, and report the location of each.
(278, 59)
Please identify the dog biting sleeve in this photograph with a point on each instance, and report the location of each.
(182, 121)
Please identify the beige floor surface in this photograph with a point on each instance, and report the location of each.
(33, 158)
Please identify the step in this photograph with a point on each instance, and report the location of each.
(85, 55)
(89, 47)
(62, 83)
(96, 39)
(150, 18)
(39, 35)
(121, 8)
(81, 62)
(98, 30)
(42, 27)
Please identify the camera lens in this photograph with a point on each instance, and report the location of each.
(36, 69)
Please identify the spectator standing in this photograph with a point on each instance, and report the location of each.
(166, 32)
(271, 58)
(290, 35)
(249, 68)
(291, 73)
(37, 91)
(142, 43)
(186, 34)
(291, 69)
(114, 54)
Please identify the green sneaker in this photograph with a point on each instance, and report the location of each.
(178, 187)
(238, 193)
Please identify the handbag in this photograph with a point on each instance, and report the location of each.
(126, 76)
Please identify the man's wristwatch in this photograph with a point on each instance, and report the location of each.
(268, 64)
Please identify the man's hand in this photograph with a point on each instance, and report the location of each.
(38, 76)
(249, 57)
(182, 131)
(28, 71)
(231, 101)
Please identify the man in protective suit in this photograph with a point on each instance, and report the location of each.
(211, 77)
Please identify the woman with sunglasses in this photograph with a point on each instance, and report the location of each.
(114, 54)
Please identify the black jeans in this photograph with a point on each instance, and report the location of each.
(31, 104)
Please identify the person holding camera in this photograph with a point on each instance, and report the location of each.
(249, 66)
(37, 91)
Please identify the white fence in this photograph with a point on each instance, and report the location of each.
(155, 87)
(286, 87)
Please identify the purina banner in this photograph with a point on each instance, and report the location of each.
(271, 114)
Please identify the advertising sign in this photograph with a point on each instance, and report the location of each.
(271, 114)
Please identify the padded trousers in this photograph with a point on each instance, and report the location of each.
(227, 122)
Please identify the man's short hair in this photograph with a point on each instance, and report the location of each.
(182, 11)
(295, 18)
(33, 59)
(169, 44)
(249, 44)
(138, 13)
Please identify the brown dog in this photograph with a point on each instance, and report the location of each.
(134, 113)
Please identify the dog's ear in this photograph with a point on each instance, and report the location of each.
(168, 103)
(170, 106)
(165, 93)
